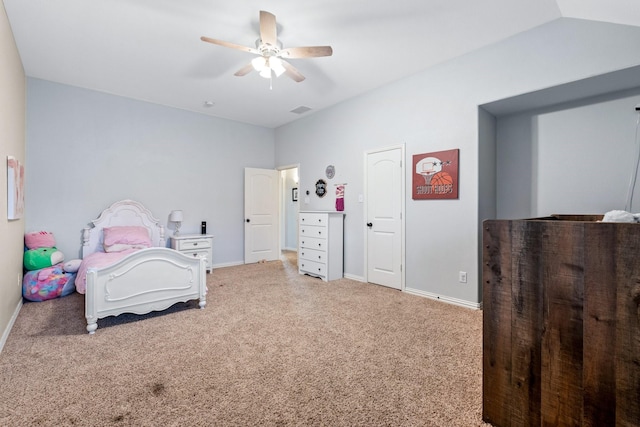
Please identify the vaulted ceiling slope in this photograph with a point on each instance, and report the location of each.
(151, 49)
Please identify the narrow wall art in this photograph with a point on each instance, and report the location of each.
(435, 175)
(15, 188)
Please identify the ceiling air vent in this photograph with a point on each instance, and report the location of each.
(300, 110)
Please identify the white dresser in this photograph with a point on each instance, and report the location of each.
(195, 245)
(320, 244)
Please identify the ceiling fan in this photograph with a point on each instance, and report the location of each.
(271, 60)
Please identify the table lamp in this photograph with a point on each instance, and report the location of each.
(177, 217)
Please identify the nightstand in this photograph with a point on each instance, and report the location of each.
(195, 245)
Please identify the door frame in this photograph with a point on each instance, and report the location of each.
(281, 199)
(403, 185)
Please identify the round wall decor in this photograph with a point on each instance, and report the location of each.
(330, 171)
(321, 188)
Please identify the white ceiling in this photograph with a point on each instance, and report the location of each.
(151, 49)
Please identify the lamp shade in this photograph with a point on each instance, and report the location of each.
(258, 63)
(176, 216)
(276, 65)
(266, 72)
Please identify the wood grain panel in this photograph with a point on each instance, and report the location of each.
(526, 315)
(561, 381)
(599, 387)
(627, 349)
(496, 300)
(562, 322)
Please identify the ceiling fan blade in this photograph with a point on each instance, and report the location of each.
(229, 44)
(268, 30)
(291, 71)
(244, 70)
(306, 52)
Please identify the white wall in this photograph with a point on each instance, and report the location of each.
(514, 167)
(437, 110)
(86, 150)
(574, 158)
(12, 143)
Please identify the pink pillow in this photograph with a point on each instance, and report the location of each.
(39, 239)
(123, 237)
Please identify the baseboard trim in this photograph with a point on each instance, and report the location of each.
(354, 277)
(228, 264)
(443, 298)
(5, 334)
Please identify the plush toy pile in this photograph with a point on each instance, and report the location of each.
(47, 277)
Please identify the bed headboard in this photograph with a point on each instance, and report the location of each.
(124, 212)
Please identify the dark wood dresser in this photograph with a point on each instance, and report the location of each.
(561, 325)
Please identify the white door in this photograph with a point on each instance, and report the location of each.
(260, 215)
(384, 213)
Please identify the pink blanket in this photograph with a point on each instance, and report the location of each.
(97, 260)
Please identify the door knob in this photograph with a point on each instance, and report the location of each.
(369, 225)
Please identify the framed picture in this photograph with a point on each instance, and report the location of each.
(294, 194)
(435, 175)
(15, 188)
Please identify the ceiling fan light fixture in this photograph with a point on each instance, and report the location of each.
(259, 63)
(269, 49)
(276, 65)
(266, 73)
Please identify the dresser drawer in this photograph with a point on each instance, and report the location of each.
(313, 231)
(198, 253)
(314, 268)
(313, 255)
(313, 219)
(195, 243)
(312, 243)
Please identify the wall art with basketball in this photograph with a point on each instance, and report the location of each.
(435, 175)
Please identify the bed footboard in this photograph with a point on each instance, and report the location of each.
(148, 280)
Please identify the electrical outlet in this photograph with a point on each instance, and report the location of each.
(462, 276)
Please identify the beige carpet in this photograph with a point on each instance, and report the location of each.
(272, 348)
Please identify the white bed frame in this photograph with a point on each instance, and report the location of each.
(147, 280)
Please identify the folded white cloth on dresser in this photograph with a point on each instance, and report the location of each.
(621, 216)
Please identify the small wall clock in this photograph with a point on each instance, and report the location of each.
(330, 171)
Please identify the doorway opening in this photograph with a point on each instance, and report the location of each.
(289, 208)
